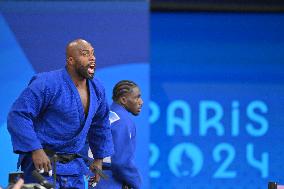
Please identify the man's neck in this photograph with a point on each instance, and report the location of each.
(77, 80)
(117, 102)
(80, 83)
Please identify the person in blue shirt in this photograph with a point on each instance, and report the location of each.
(123, 172)
(55, 115)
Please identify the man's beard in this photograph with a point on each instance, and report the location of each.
(83, 71)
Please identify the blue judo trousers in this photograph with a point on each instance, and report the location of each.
(49, 115)
(122, 169)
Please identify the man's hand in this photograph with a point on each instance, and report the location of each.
(98, 163)
(125, 187)
(19, 184)
(41, 160)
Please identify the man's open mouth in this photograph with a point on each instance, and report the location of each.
(91, 69)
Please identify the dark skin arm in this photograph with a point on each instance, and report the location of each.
(98, 163)
(41, 160)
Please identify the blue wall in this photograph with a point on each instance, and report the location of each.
(33, 38)
(217, 91)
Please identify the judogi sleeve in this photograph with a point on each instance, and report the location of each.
(23, 113)
(99, 136)
(122, 164)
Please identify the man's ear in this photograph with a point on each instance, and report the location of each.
(70, 60)
(123, 100)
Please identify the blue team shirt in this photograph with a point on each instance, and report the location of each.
(123, 168)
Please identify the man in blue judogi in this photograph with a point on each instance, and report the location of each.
(55, 115)
(122, 171)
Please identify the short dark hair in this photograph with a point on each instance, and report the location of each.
(121, 88)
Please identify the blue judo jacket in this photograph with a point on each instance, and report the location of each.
(123, 168)
(49, 114)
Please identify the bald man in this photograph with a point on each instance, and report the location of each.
(52, 118)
